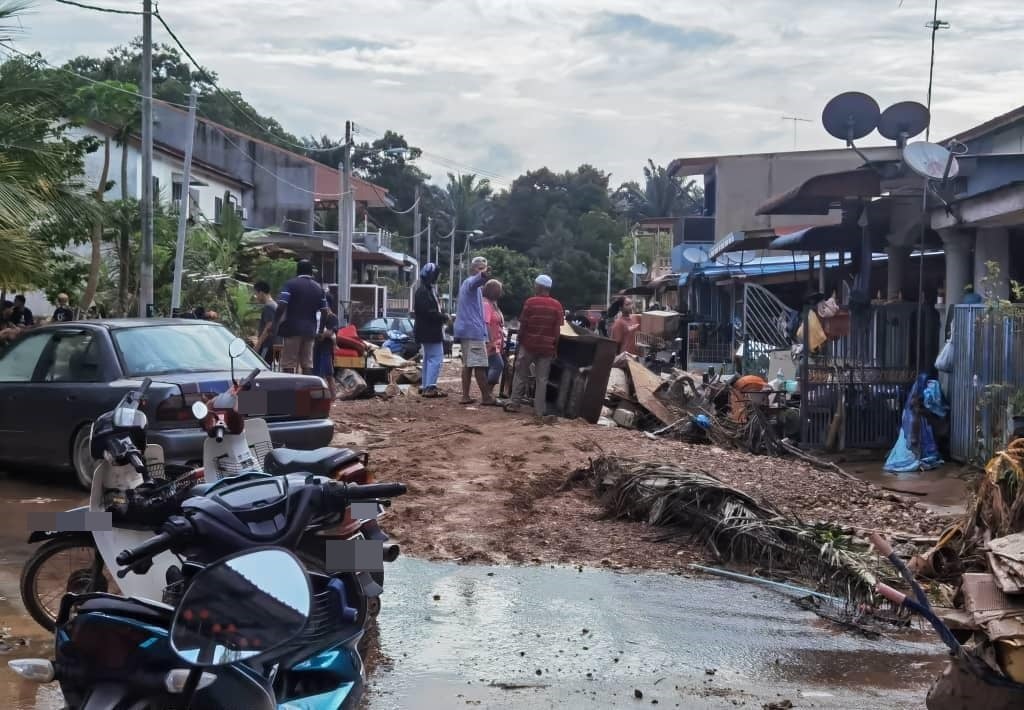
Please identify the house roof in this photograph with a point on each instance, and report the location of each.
(823, 193)
(702, 164)
(993, 124)
(326, 180)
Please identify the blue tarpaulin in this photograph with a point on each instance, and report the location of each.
(915, 449)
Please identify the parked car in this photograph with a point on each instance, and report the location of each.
(376, 331)
(56, 379)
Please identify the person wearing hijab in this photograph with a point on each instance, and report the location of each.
(428, 327)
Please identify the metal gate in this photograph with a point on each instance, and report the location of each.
(764, 328)
(988, 352)
(861, 380)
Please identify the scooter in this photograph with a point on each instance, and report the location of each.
(246, 631)
(123, 485)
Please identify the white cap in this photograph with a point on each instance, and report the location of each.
(543, 280)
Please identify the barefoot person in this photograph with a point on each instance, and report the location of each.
(471, 332)
(540, 325)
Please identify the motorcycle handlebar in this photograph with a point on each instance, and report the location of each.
(150, 548)
(369, 491)
(144, 387)
(249, 379)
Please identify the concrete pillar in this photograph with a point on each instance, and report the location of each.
(957, 243)
(899, 257)
(992, 244)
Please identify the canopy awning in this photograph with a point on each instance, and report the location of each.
(823, 193)
(833, 237)
(751, 239)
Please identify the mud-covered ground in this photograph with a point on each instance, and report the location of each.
(484, 485)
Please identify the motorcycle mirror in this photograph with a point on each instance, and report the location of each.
(237, 348)
(242, 608)
(200, 410)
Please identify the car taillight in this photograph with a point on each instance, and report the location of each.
(179, 409)
(314, 402)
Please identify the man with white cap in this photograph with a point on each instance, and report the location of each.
(540, 325)
(471, 332)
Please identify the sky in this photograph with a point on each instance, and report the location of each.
(502, 86)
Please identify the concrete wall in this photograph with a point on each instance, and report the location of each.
(283, 183)
(744, 182)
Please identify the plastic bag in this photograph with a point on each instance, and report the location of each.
(827, 309)
(944, 362)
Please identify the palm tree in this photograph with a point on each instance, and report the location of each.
(662, 195)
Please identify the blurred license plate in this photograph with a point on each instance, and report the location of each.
(253, 403)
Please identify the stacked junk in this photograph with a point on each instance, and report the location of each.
(362, 369)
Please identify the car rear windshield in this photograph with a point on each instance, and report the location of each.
(165, 349)
(376, 324)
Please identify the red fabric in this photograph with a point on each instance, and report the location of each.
(348, 337)
(346, 352)
(539, 325)
(495, 328)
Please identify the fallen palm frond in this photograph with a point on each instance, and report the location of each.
(736, 527)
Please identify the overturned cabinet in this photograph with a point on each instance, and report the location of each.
(579, 374)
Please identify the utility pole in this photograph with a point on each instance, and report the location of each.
(795, 120)
(146, 258)
(183, 210)
(635, 276)
(345, 227)
(416, 227)
(936, 24)
(451, 269)
(608, 300)
(430, 224)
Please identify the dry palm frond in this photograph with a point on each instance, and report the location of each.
(735, 526)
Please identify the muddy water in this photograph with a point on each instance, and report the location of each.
(943, 490)
(456, 636)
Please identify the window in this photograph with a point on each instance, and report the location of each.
(159, 349)
(156, 189)
(176, 192)
(73, 357)
(218, 208)
(19, 362)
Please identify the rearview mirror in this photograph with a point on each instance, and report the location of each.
(237, 348)
(241, 608)
(200, 410)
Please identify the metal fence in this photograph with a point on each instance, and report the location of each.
(988, 351)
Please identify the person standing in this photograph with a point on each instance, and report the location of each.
(21, 316)
(428, 329)
(265, 337)
(624, 329)
(323, 352)
(540, 325)
(62, 314)
(495, 320)
(295, 320)
(471, 332)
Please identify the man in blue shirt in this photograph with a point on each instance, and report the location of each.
(295, 321)
(471, 332)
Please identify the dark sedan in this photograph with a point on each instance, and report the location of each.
(55, 380)
(376, 331)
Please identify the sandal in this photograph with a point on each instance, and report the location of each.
(467, 400)
(492, 403)
(430, 394)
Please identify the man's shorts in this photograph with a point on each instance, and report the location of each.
(297, 353)
(474, 354)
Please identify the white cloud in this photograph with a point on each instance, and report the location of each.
(507, 87)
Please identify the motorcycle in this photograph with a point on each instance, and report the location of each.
(249, 629)
(123, 485)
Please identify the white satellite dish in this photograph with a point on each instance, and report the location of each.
(930, 161)
(695, 255)
(638, 269)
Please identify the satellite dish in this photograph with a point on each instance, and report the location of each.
(903, 120)
(850, 116)
(638, 269)
(695, 255)
(930, 161)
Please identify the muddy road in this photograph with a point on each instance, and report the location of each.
(544, 636)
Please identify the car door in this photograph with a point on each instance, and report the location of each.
(69, 391)
(18, 366)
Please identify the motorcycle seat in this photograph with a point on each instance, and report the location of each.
(320, 462)
(146, 612)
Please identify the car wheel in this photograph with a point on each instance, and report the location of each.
(81, 458)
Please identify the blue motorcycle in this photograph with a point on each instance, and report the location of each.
(241, 628)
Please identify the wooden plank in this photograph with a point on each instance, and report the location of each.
(646, 383)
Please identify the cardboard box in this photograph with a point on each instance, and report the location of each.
(660, 324)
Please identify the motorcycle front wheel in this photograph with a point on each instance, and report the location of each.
(60, 566)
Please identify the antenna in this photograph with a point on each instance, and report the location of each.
(903, 121)
(850, 116)
(935, 25)
(795, 120)
(695, 255)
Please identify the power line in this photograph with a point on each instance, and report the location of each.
(97, 8)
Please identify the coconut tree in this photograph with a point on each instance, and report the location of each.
(662, 195)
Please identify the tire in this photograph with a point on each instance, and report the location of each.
(82, 461)
(84, 582)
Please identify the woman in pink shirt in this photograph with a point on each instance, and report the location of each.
(495, 321)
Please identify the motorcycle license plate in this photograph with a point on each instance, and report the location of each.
(253, 403)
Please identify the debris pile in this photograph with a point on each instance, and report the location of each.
(735, 526)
